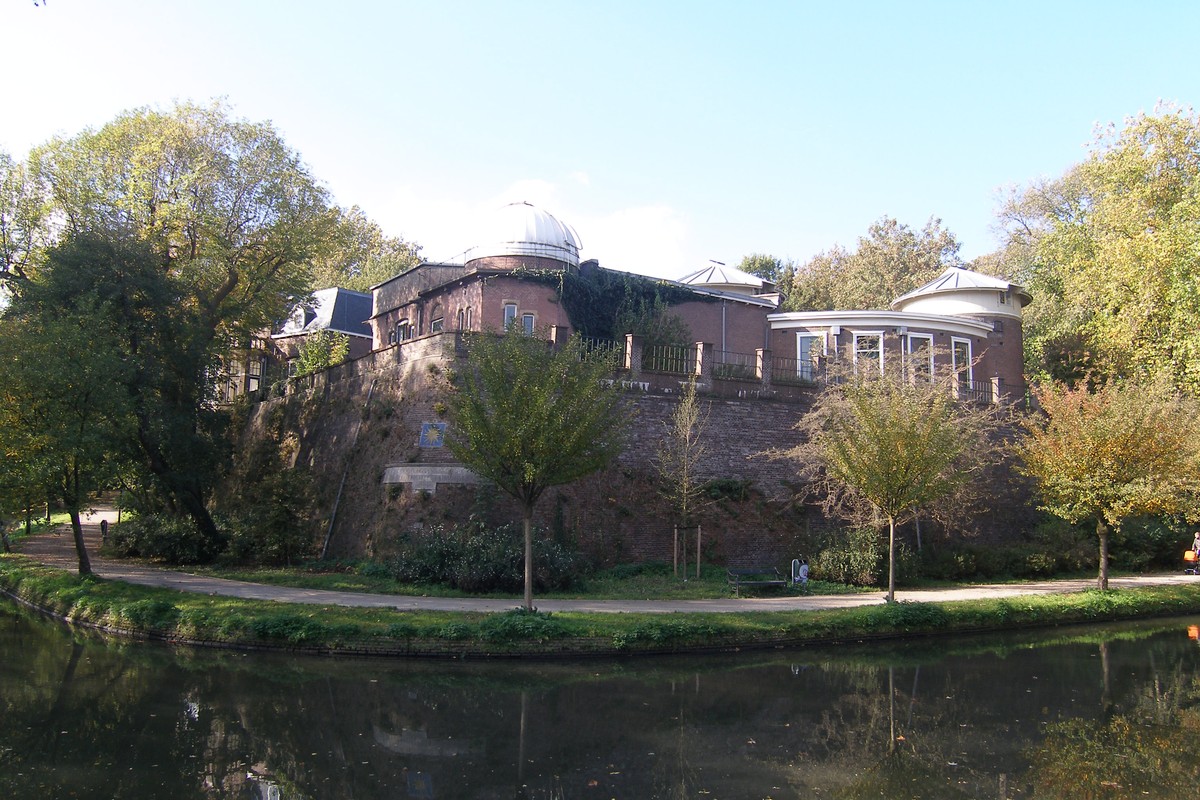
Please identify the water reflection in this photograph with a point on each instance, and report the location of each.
(1102, 713)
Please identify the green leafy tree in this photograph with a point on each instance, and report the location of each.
(60, 400)
(529, 417)
(651, 318)
(1112, 252)
(881, 447)
(173, 434)
(232, 221)
(320, 350)
(1123, 451)
(890, 260)
(765, 266)
(23, 224)
(359, 254)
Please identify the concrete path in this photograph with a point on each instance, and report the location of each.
(57, 549)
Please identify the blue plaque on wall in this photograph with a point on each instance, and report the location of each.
(433, 434)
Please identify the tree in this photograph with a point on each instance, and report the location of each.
(1122, 451)
(60, 400)
(528, 416)
(764, 266)
(890, 260)
(880, 447)
(1112, 251)
(232, 221)
(320, 350)
(679, 455)
(360, 255)
(23, 229)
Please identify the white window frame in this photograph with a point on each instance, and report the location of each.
(510, 313)
(909, 351)
(964, 371)
(528, 323)
(864, 335)
(811, 366)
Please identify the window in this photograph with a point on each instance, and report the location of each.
(919, 347)
(960, 351)
(868, 349)
(404, 330)
(510, 314)
(809, 348)
(254, 374)
(1005, 298)
(527, 324)
(469, 318)
(462, 316)
(438, 321)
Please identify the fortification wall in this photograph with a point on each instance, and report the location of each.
(355, 421)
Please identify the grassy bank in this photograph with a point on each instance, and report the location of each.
(641, 582)
(201, 619)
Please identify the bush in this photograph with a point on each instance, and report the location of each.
(165, 537)
(520, 625)
(151, 614)
(482, 560)
(856, 558)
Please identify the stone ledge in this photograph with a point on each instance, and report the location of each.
(426, 477)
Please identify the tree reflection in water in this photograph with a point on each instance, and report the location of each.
(1104, 713)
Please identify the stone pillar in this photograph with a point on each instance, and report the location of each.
(633, 354)
(762, 365)
(705, 355)
(997, 389)
(559, 334)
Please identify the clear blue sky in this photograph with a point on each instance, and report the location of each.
(666, 133)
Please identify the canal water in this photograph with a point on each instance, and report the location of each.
(1109, 712)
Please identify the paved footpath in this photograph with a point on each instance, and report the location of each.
(58, 549)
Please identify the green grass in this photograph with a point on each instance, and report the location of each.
(629, 582)
(201, 618)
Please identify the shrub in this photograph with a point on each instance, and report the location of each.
(151, 614)
(482, 559)
(520, 625)
(856, 558)
(166, 537)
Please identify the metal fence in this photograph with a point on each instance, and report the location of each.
(735, 366)
(671, 359)
(794, 372)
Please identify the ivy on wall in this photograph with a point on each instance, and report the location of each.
(605, 304)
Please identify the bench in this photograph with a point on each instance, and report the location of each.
(754, 576)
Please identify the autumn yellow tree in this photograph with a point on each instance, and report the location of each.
(1111, 249)
(1120, 451)
(882, 446)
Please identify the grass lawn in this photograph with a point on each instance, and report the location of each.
(637, 582)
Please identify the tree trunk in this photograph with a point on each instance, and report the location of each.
(85, 564)
(891, 592)
(4, 539)
(1102, 532)
(528, 523)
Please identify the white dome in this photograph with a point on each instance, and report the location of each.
(520, 229)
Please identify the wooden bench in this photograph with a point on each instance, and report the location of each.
(754, 576)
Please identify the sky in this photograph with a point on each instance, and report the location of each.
(667, 134)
